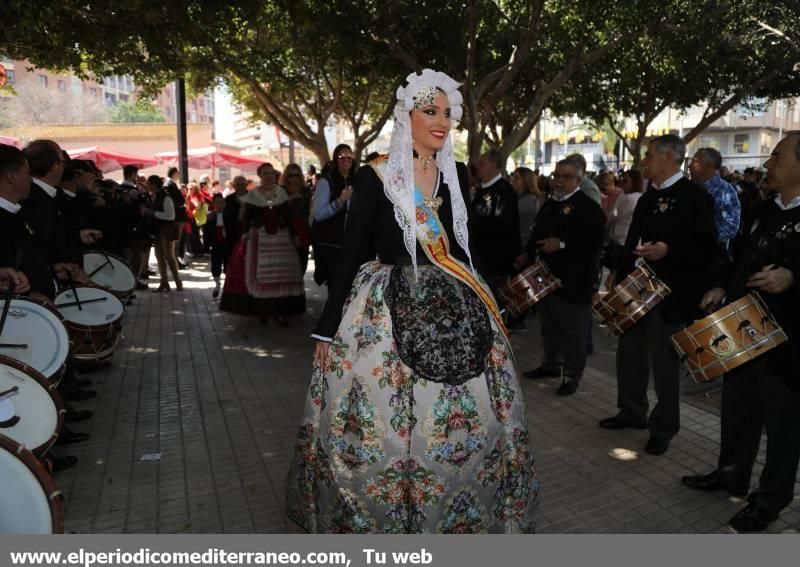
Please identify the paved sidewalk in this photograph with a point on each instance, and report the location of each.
(196, 416)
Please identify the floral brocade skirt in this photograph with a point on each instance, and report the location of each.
(393, 439)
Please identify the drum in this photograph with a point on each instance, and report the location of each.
(94, 322)
(29, 502)
(110, 272)
(527, 288)
(729, 337)
(31, 411)
(633, 298)
(35, 335)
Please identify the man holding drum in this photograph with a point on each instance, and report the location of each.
(765, 392)
(567, 236)
(673, 231)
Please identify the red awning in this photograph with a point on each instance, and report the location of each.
(211, 157)
(8, 141)
(109, 160)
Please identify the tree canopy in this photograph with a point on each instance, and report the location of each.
(301, 64)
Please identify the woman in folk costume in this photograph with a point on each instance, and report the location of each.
(263, 275)
(415, 420)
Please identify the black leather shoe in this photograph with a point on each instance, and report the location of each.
(540, 373)
(752, 518)
(68, 437)
(80, 395)
(82, 382)
(706, 482)
(58, 464)
(567, 388)
(617, 423)
(656, 446)
(73, 416)
(141, 285)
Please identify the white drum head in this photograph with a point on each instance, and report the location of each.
(32, 404)
(24, 507)
(43, 333)
(92, 314)
(109, 272)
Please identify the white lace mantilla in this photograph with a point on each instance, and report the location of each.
(398, 170)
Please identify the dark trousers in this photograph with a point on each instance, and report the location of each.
(564, 328)
(752, 399)
(647, 344)
(220, 252)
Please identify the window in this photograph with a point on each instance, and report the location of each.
(62, 85)
(42, 80)
(741, 143)
(92, 91)
(710, 142)
(767, 143)
(194, 116)
(11, 76)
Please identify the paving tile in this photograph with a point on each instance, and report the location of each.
(220, 398)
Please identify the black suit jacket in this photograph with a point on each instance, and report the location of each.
(494, 218)
(18, 245)
(682, 216)
(578, 222)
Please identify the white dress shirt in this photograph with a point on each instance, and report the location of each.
(7, 205)
(492, 181)
(671, 181)
(49, 189)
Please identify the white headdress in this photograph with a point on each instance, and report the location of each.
(398, 171)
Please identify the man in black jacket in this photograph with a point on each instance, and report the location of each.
(567, 236)
(494, 220)
(673, 231)
(765, 392)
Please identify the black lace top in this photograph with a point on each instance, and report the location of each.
(371, 232)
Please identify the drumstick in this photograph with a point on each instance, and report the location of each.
(101, 266)
(10, 345)
(108, 260)
(9, 293)
(74, 291)
(79, 303)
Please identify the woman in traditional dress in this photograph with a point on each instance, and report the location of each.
(263, 276)
(415, 420)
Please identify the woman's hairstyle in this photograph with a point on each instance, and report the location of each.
(636, 180)
(604, 177)
(290, 169)
(529, 180)
(337, 180)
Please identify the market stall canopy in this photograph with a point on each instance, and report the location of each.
(211, 157)
(109, 160)
(8, 141)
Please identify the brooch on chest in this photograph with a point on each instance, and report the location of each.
(787, 229)
(664, 204)
(566, 210)
(29, 229)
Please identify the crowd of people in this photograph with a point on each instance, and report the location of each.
(414, 249)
